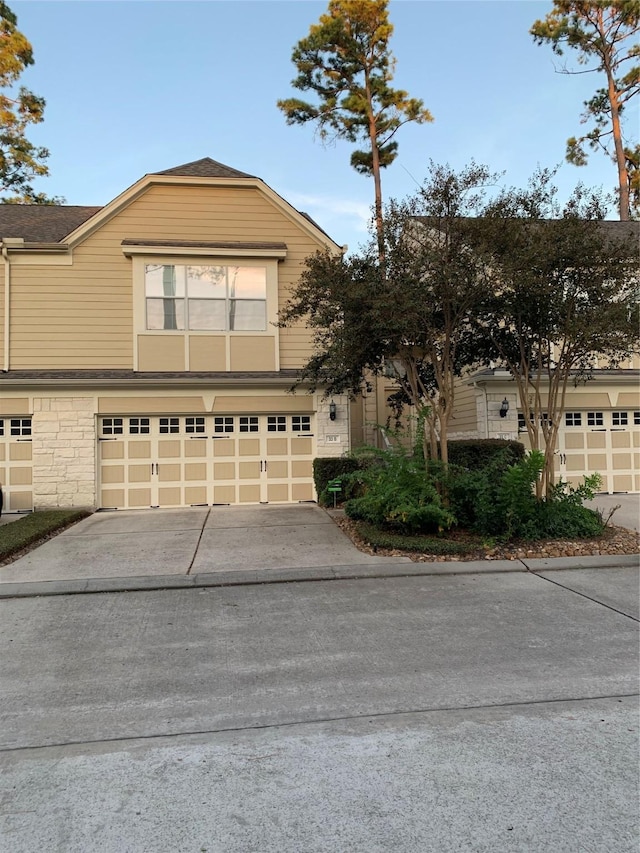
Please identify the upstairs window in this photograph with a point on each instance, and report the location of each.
(205, 297)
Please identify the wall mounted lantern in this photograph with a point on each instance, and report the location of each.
(332, 411)
(504, 408)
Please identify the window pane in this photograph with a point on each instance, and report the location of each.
(245, 315)
(164, 280)
(207, 314)
(247, 282)
(165, 313)
(207, 282)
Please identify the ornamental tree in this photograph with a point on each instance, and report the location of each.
(346, 62)
(605, 35)
(564, 294)
(412, 314)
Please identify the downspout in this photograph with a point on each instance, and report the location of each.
(7, 302)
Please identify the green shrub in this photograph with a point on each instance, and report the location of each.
(418, 544)
(399, 494)
(327, 469)
(475, 454)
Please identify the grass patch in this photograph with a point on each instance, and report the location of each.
(34, 528)
(377, 538)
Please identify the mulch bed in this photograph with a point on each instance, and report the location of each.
(615, 541)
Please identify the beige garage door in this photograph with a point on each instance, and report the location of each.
(15, 463)
(606, 442)
(203, 460)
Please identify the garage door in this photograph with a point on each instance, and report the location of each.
(200, 460)
(16, 463)
(607, 442)
(604, 442)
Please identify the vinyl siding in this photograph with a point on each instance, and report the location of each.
(81, 316)
(465, 415)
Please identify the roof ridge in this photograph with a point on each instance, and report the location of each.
(206, 167)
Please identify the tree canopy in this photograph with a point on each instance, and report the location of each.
(605, 35)
(563, 297)
(347, 63)
(20, 160)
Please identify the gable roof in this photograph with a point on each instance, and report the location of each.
(204, 168)
(42, 223)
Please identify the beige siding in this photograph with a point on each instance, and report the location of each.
(81, 315)
(465, 415)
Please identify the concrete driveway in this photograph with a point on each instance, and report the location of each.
(156, 543)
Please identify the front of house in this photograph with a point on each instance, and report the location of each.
(142, 363)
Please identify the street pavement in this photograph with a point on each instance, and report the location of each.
(479, 712)
(248, 681)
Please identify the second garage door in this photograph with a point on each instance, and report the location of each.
(200, 460)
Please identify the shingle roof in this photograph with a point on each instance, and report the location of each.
(205, 168)
(42, 223)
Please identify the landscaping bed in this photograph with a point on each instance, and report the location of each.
(463, 546)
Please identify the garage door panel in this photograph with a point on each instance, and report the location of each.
(249, 470)
(596, 440)
(139, 497)
(598, 462)
(112, 498)
(224, 470)
(621, 439)
(278, 493)
(574, 441)
(169, 472)
(170, 496)
(621, 461)
(277, 469)
(224, 447)
(195, 449)
(113, 473)
(195, 495)
(277, 447)
(139, 449)
(139, 473)
(301, 446)
(170, 449)
(301, 492)
(112, 450)
(195, 471)
(224, 494)
(249, 493)
(20, 501)
(249, 447)
(622, 482)
(20, 452)
(300, 468)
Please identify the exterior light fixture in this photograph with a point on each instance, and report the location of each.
(504, 408)
(332, 411)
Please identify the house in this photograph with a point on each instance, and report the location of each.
(141, 361)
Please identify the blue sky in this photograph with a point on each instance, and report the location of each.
(137, 86)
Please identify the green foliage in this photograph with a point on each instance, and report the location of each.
(347, 63)
(20, 160)
(605, 36)
(398, 494)
(325, 470)
(34, 528)
(418, 544)
(475, 453)
(499, 500)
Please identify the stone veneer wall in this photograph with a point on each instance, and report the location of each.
(332, 437)
(64, 454)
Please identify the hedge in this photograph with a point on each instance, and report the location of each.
(476, 453)
(326, 469)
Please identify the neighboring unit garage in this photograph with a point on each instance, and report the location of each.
(16, 468)
(191, 460)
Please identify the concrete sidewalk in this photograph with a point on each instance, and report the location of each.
(226, 546)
